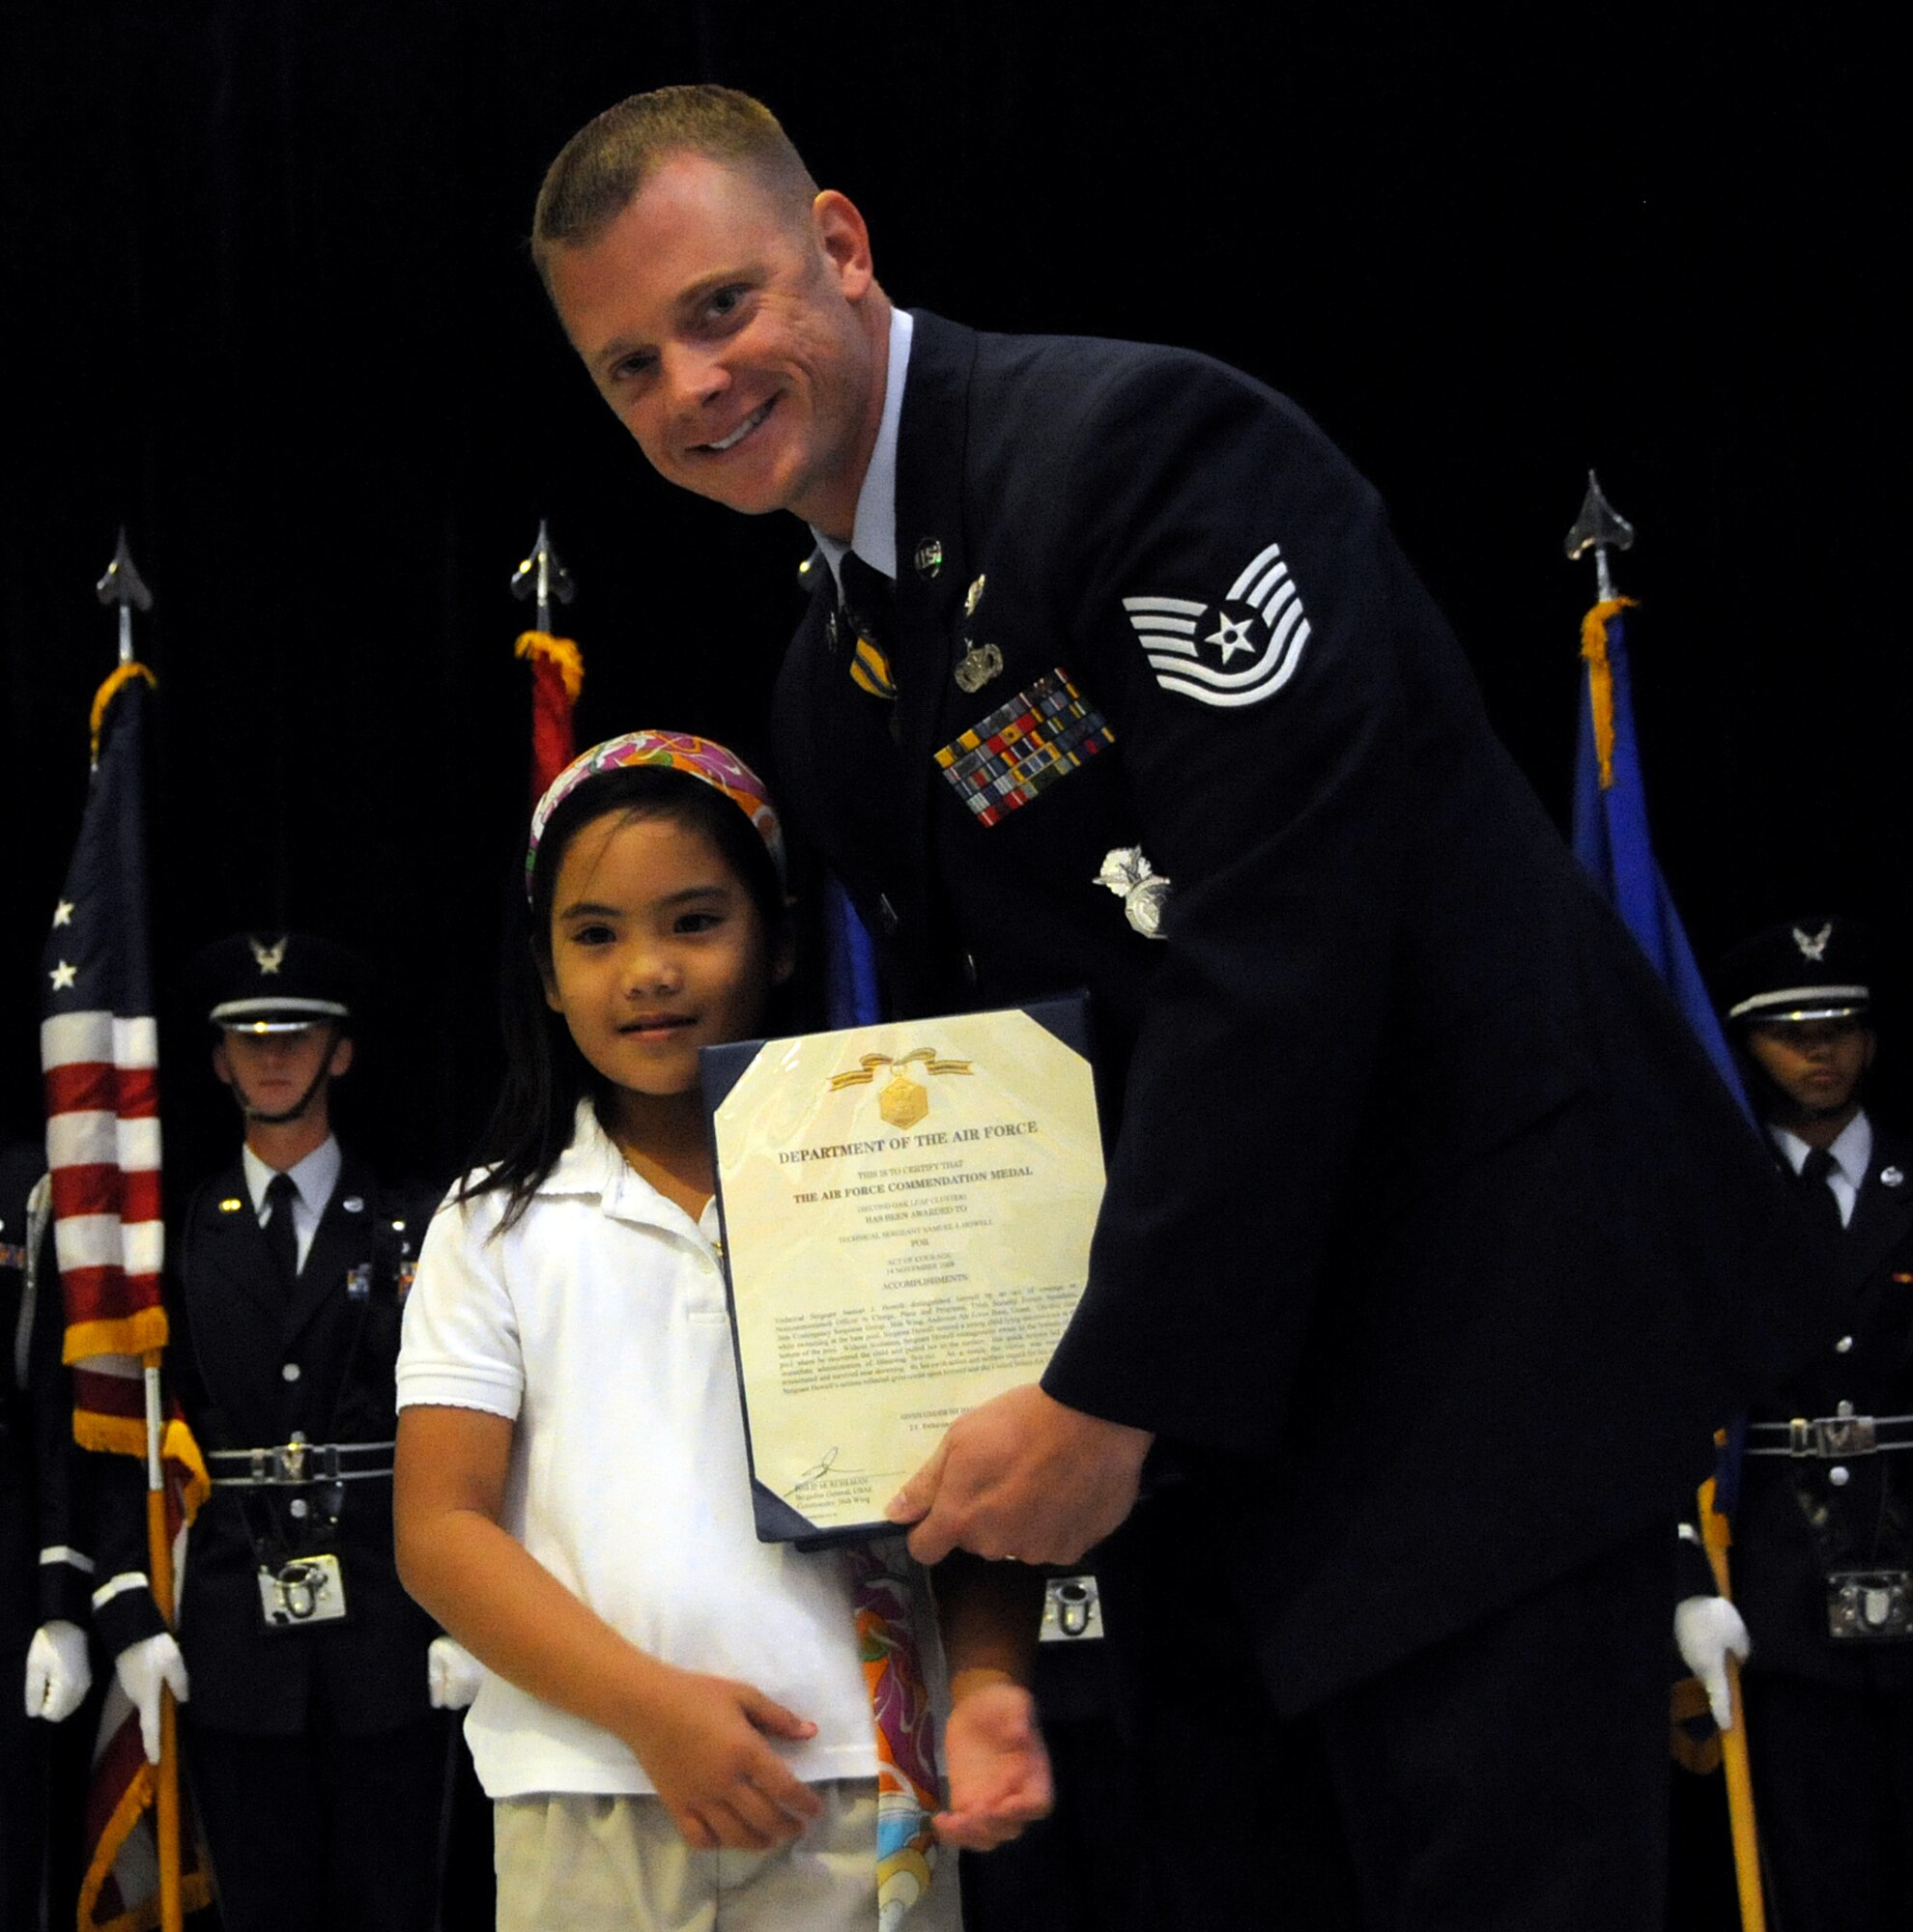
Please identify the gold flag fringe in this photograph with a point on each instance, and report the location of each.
(119, 1335)
(122, 674)
(562, 652)
(195, 1888)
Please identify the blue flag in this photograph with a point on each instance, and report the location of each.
(851, 997)
(1611, 840)
(1611, 836)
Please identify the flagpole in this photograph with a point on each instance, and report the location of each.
(1715, 1536)
(122, 586)
(1600, 528)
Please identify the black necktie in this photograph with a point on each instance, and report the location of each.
(1816, 1173)
(281, 1238)
(867, 610)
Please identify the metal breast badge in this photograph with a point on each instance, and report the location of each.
(1142, 888)
(980, 663)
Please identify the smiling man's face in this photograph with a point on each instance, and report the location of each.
(740, 337)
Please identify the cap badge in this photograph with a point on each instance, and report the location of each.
(1142, 888)
(1813, 945)
(270, 958)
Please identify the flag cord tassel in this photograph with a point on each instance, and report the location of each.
(1601, 679)
(561, 653)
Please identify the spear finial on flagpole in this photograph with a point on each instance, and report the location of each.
(124, 586)
(1599, 527)
(543, 577)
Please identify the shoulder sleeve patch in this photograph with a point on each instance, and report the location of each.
(1237, 650)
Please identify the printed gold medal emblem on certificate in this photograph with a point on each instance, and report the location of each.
(907, 1210)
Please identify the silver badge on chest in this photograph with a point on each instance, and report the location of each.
(1142, 888)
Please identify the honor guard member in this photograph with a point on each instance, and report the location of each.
(1115, 677)
(316, 1757)
(45, 1578)
(1822, 1555)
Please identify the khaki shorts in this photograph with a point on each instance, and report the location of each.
(572, 1862)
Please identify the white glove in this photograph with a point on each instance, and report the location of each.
(58, 1675)
(142, 1668)
(1705, 1630)
(453, 1674)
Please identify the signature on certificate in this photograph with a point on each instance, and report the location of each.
(824, 1466)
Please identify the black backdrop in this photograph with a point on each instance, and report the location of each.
(268, 305)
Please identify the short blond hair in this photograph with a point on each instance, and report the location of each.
(601, 169)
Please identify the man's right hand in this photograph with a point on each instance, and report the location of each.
(143, 1669)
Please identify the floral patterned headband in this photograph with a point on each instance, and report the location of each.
(702, 758)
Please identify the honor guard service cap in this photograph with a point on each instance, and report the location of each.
(278, 982)
(1805, 969)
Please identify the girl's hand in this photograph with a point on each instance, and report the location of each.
(999, 1770)
(703, 1741)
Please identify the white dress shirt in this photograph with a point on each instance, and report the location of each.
(873, 532)
(313, 1180)
(1852, 1154)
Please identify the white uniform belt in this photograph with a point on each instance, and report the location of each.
(1830, 1437)
(291, 1463)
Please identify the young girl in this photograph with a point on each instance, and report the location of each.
(676, 1722)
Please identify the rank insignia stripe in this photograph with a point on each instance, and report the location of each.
(1193, 645)
(1023, 747)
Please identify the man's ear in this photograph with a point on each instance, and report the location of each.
(844, 239)
(223, 1065)
(342, 1060)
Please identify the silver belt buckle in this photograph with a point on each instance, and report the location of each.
(1071, 1610)
(1870, 1606)
(303, 1590)
(1832, 1435)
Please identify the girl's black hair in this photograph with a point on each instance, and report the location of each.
(546, 1076)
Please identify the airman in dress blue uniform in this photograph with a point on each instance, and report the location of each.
(1116, 678)
(45, 1569)
(1822, 1555)
(316, 1757)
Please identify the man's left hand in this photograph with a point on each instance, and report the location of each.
(1022, 1476)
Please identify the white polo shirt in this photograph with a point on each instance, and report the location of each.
(598, 1327)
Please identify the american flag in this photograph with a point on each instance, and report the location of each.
(98, 1056)
(100, 1059)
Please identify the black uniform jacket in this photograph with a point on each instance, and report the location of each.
(1794, 1522)
(251, 1367)
(1429, 1235)
(45, 1573)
